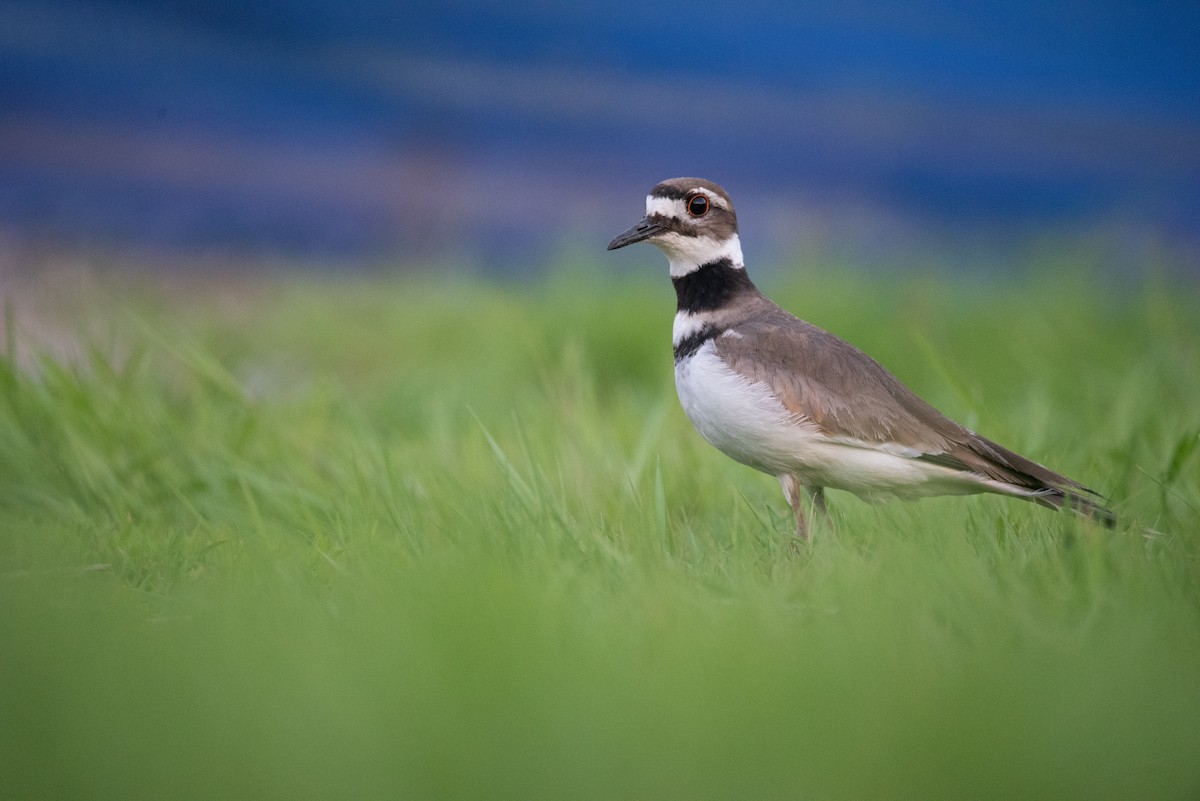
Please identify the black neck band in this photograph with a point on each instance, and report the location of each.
(710, 286)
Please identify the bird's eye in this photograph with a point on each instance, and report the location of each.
(698, 206)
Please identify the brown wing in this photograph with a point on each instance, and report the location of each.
(848, 394)
(832, 383)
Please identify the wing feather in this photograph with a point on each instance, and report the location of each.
(850, 396)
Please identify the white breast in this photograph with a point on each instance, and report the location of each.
(748, 423)
(743, 419)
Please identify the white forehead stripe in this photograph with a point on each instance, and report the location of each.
(673, 206)
(667, 207)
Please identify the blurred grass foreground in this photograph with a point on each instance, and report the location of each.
(390, 538)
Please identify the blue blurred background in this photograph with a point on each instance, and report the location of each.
(512, 135)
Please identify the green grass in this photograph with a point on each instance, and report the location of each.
(371, 538)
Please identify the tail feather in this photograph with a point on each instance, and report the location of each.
(1027, 478)
(1058, 498)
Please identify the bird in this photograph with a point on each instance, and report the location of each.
(790, 399)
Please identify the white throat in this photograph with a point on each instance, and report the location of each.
(686, 254)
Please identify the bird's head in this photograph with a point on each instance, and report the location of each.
(692, 221)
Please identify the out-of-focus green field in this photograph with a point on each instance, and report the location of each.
(383, 538)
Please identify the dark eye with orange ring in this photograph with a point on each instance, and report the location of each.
(698, 206)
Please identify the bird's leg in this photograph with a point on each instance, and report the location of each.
(795, 498)
(818, 496)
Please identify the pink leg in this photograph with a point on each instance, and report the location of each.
(795, 499)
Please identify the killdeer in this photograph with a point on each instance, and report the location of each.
(787, 398)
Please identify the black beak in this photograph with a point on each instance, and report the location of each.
(643, 230)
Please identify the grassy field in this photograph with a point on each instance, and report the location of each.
(380, 538)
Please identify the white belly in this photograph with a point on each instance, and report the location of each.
(742, 419)
(748, 423)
